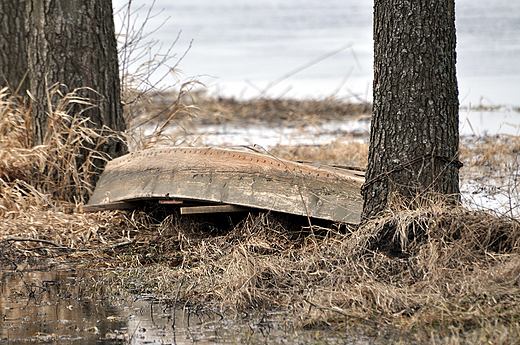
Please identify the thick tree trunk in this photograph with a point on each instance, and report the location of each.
(13, 55)
(73, 42)
(414, 133)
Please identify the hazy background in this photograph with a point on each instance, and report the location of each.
(240, 47)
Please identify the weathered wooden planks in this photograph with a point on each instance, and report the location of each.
(232, 177)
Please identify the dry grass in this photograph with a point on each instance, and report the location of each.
(217, 110)
(429, 272)
(52, 167)
(492, 168)
(434, 274)
(16, 153)
(496, 152)
(351, 153)
(287, 111)
(41, 186)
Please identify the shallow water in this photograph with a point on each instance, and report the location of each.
(489, 123)
(54, 306)
(471, 124)
(50, 306)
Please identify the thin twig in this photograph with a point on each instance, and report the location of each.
(177, 298)
(58, 246)
(344, 314)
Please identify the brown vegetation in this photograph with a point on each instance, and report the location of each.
(214, 110)
(431, 274)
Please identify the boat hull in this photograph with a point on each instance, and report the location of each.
(233, 177)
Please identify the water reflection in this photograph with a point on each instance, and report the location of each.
(53, 306)
(58, 306)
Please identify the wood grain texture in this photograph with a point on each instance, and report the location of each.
(233, 177)
(213, 209)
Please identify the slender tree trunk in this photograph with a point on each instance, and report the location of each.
(13, 55)
(414, 133)
(73, 42)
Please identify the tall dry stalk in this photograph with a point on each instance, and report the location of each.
(51, 167)
(16, 153)
(145, 73)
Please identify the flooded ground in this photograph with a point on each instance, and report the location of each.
(66, 305)
(56, 306)
(495, 190)
(505, 122)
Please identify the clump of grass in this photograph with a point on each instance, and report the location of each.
(218, 110)
(16, 152)
(498, 152)
(350, 153)
(434, 271)
(41, 186)
(293, 112)
(50, 167)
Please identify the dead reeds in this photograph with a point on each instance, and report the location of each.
(295, 113)
(52, 167)
(458, 272)
(433, 274)
(41, 186)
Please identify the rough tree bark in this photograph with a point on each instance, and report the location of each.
(73, 42)
(13, 55)
(414, 132)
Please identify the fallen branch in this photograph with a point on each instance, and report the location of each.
(344, 314)
(58, 246)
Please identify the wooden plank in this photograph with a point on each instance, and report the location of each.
(233, 177)
(171, 202)
(118, 205)
(213, 209)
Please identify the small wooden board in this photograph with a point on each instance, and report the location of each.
(232, 177)
(213, 209)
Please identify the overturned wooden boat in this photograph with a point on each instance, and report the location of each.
(229, 180)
